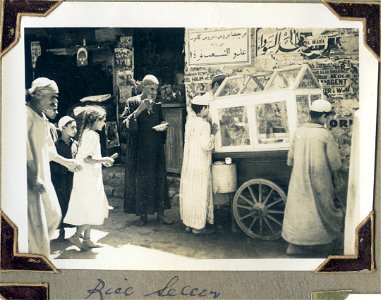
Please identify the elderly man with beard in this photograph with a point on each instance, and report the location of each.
(44, 213)
(146, 189)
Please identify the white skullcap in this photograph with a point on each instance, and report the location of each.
(321, 106)
(201, 100)
(43, 83)
(63, 122)
(150, 79)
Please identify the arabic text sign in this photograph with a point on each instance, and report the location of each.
(270, 40)
(219, 47)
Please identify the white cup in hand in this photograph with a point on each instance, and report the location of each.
(161, 127)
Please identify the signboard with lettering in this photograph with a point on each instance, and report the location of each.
(197, 75)
(270, 40)
(35, 48)
(316, 42)
(339, 78)
(218, 47)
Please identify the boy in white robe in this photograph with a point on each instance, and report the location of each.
(311, 217)
(196, 203)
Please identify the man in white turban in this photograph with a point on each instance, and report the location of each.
(44, 213)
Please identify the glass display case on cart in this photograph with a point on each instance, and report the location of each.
(257, 115)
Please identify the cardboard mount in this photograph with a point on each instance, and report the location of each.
(11, 260)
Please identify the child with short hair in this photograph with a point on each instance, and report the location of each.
(62, 178)
(88, 203)
(311, 217)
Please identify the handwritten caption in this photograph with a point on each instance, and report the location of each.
(171, 288)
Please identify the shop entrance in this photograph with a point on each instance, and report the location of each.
(54, 52)
(159, 51)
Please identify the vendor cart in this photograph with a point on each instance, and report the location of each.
(257, 115)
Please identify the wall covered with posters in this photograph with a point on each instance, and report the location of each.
(331, 54)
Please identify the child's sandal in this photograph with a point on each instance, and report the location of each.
(77, 242)
(90, 244)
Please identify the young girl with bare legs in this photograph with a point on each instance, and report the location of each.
(88, 203)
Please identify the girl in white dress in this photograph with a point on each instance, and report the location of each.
(88, 203)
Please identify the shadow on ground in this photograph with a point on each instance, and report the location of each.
(119, 230)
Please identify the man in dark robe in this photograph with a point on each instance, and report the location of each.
(146, 189)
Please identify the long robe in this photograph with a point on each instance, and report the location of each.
(310, 217)
(196, 202)
(62, 178)
(44, 213)
(146, 189)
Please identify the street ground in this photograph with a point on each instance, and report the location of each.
(119, 229)
(124, 244)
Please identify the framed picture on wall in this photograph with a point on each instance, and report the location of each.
(112, 134)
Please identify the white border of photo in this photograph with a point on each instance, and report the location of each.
(189, 15)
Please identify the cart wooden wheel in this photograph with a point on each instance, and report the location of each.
(258, 208)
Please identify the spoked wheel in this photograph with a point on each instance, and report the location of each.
(258, 208)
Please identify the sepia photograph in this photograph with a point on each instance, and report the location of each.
(193, 147)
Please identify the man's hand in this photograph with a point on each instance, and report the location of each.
(37, 186)
(214, 128)
(144, 104)
(107, 161)
(126, 122)
(163, 126)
